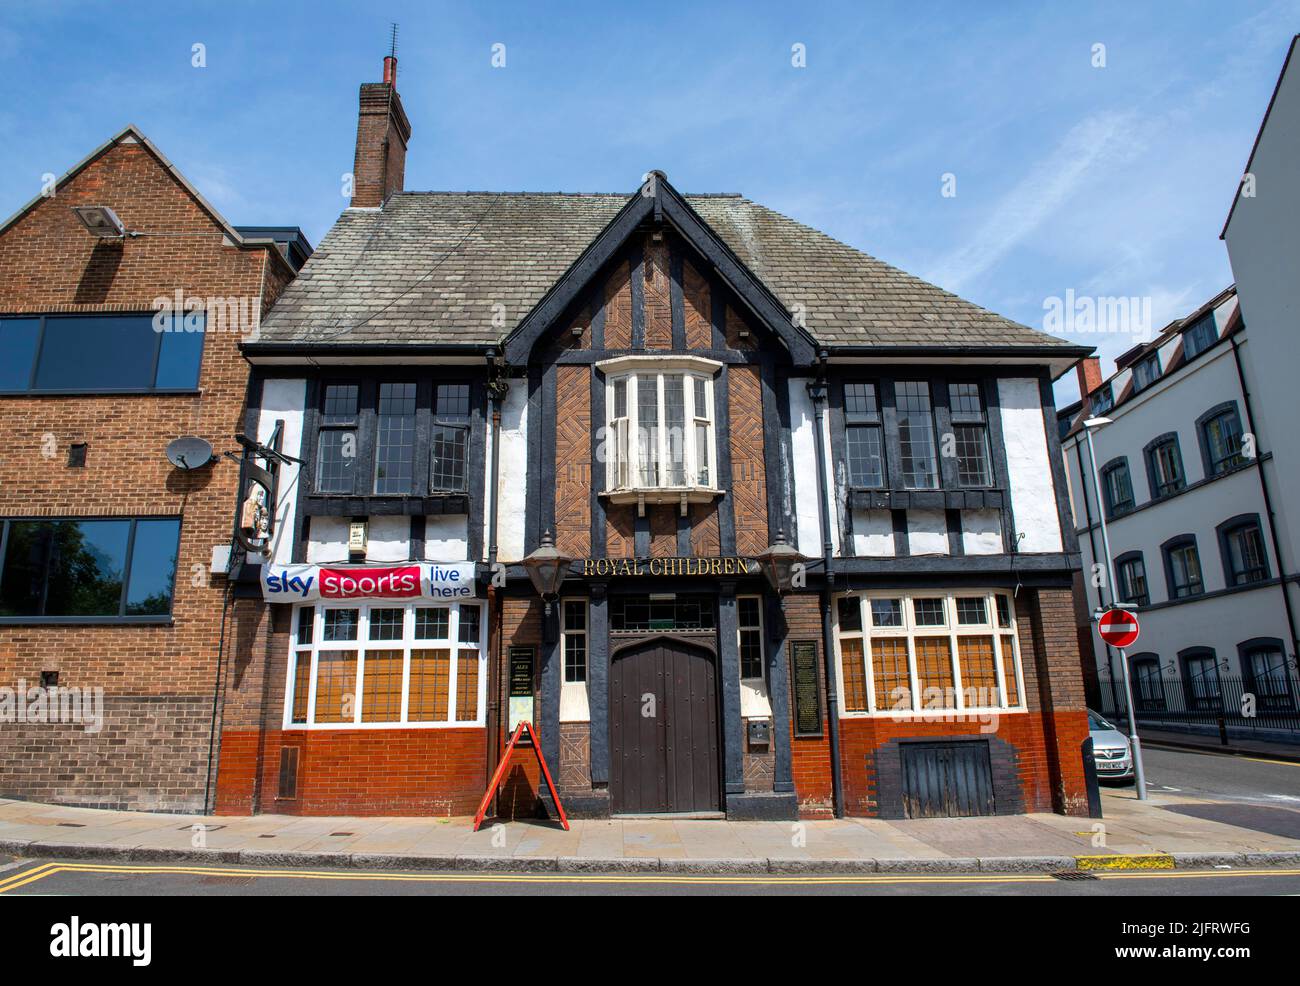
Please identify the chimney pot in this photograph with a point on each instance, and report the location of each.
(390, 69)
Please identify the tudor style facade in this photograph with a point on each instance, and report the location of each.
(666, 387)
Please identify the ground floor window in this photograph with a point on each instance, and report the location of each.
(574, 705)
(927, 651)
(380, 665)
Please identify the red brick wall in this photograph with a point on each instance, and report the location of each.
(355, 771)
(153, 751)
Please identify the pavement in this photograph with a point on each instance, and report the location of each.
(1159, 834)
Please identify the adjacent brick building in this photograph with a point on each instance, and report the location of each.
(672, 392)
(107, 576)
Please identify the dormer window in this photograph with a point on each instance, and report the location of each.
(1146, 372)
(659, 436)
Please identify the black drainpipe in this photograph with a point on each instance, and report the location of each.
(496, 385)
(1268, 503)
(817, 391)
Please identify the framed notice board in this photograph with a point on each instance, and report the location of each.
(521, 686)
(807, 688)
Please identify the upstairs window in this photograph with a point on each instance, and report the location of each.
(1200, 336)
(1165, 466)
(1146, 372)
(449, 437)
(1242, 544)
(1183, 567)
(970, 434)
(336, 455)
(659, 429)
(1221, 441)
(71, 354)
(395, 440)
(1117, 487)
(916, 435)
(863, 440)
(413, 436)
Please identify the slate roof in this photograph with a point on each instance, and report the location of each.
(430, 267)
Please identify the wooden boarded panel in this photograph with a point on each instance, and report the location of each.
(618, 308)
(697, 305)
(748, 479)
(705, 538)
(573, 460)
(658, 297)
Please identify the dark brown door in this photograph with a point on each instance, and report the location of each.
(663, 730)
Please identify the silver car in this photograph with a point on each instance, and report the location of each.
(1110, 750)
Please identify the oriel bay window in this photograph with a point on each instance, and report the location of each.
(903, 654)
(399, 437)
(378, 665)
(659, 428)
(94, 569)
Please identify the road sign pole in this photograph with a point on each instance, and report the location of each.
(1139, 775)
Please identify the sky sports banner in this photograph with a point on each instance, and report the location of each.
(426, 580)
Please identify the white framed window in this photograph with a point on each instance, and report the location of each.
(927, 652)
(378, 665)
(575, 651)
(660, 432)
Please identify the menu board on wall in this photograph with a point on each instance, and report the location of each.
(807, 691)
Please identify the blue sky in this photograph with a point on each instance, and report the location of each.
(1109, 181)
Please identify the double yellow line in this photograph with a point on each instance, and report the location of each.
(45, 870)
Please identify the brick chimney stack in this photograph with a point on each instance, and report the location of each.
(383, 131)
(1089, 371)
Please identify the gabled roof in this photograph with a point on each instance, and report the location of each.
(1259, 134)
(430, 269)
(130, 134)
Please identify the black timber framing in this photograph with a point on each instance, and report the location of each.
(598, 547)
(778, 687)
(598, 681)
(658, 202)
(733, 739)
(722, 440)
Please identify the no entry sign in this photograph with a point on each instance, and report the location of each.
(1118, 628)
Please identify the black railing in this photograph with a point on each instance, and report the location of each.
(1213, 704)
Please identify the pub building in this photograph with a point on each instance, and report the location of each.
(746, 522)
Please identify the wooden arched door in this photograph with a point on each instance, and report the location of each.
(663, 729)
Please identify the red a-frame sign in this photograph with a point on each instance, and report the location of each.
(501, 771)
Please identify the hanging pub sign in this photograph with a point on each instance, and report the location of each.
(690, 565)
(259, 480)
(422, 580)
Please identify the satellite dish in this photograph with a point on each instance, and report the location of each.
(189, 452)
